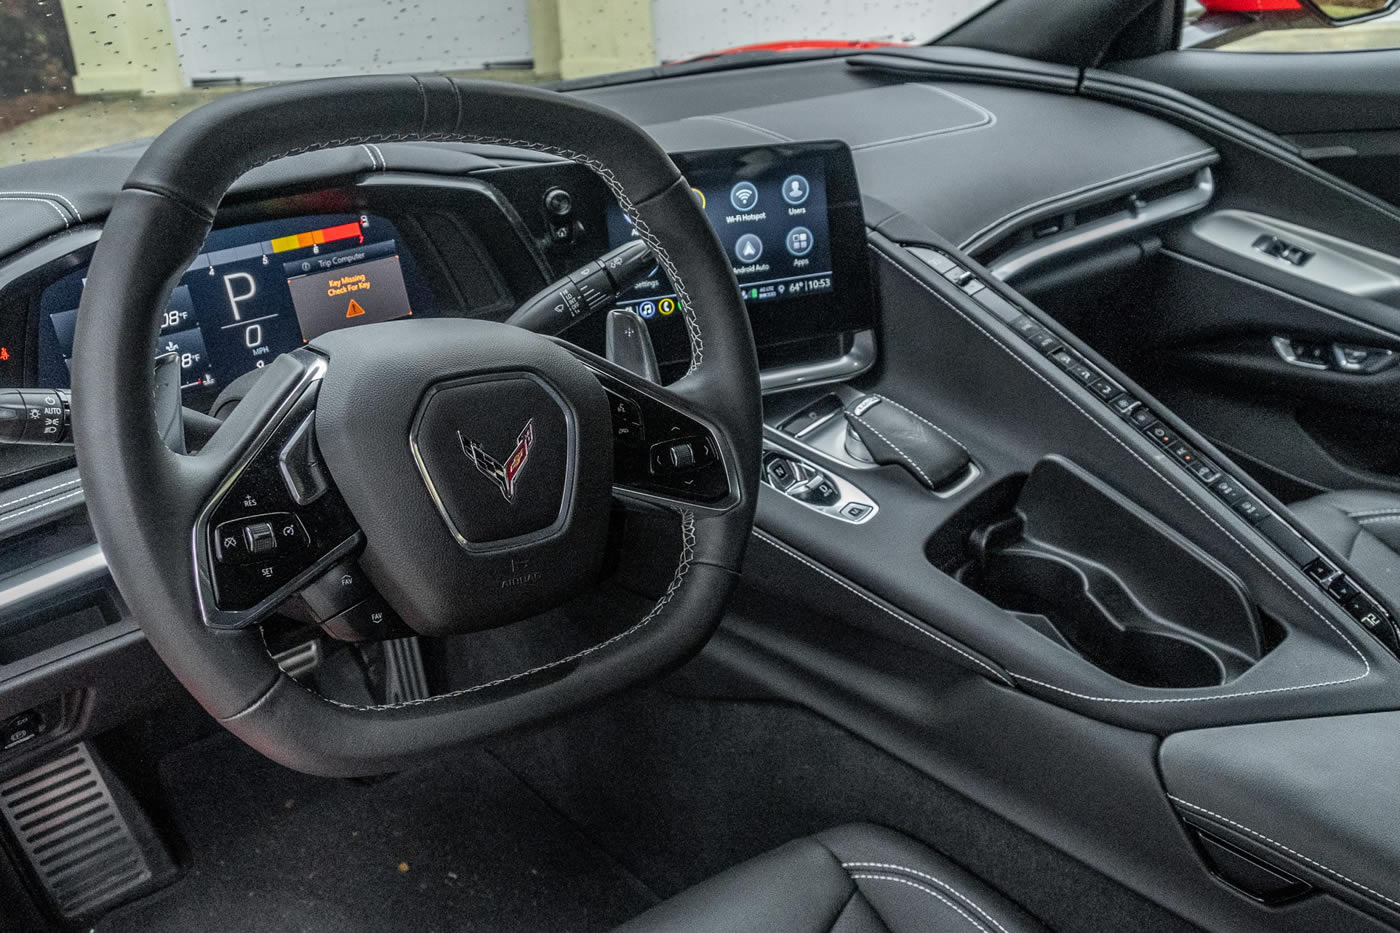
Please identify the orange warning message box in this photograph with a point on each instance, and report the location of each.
(344, 297)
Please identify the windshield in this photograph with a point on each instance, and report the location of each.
(79, 76)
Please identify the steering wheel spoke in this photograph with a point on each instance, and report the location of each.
(664, 448)
(272, 520)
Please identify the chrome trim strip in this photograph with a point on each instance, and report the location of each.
(1140, 217)
(856, 360)
(51, 578)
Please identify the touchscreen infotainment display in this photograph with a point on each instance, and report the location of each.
(790, 220)
(256, 291)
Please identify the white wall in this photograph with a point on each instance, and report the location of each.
(278, 40)
(693, 27)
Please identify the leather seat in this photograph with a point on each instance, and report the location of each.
(1364, 527)
(851, 879)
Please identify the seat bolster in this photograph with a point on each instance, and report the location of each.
(908, 884)
(853, 879)
(797, 887)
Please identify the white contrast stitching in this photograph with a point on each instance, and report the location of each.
(907, 459)
(803, 559)
(911, 411)
(77, 215)
(43, 492)
(1284, 848)
(927, 890)
(4, 519)
(927, 877)
(682, 568)
(46, 201)
(1366, 665)
(693, 332)
(1372, 519)
(1367, 513)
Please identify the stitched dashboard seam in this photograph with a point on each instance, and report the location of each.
(927, 877)
(693, 331)
(1366, 664)
(43, 492)
(911, 411)
(687, 555)
(1283, 848)
(5, 519)
(63, 215)
(905, 457)
(897, 616)
(52, 196)
(864, 876)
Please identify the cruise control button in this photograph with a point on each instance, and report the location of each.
(260, 538)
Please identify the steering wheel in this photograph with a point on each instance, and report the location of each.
(480, 467)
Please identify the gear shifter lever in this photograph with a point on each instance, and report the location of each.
(894, 435)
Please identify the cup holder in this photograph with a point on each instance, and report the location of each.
(1057, 599)
(1082, 565)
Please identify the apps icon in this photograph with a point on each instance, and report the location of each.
(647, 309)
(666, 306)
(748, 248)
(799, 241)
(743, 196)
(795, 189)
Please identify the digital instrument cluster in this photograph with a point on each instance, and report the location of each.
(256, 291)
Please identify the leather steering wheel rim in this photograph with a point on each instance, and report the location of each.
(142, 497)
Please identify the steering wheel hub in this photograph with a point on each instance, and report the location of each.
(520, 435)
(477, 458)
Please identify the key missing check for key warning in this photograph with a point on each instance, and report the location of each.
(345, 295)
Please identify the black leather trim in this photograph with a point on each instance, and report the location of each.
(852, 879)
(39, 502)
(1312, 795)
(144, 496)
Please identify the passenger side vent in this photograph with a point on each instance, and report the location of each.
(69, 827)
(1051, 237)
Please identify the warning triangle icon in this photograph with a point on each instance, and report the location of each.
(354, 310)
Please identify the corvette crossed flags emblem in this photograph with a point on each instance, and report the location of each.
(504, 475)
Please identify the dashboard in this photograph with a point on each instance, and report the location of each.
(278, 272)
